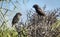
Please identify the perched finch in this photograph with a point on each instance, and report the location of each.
(16, 18)
(38, 10)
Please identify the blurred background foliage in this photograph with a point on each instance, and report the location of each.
(33, 27)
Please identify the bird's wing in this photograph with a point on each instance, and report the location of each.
(41, 11)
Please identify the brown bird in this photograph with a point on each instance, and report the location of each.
(38, 10)
(0, 0)
(16, 18)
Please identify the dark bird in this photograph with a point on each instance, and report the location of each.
(0, 0)
(38, 10)
(16, 18)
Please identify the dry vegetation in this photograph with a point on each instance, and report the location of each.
(35, 25)
(40, 26)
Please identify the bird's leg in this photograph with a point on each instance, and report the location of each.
(37, 18)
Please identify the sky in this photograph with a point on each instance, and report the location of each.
(22, 7)
(50, 4)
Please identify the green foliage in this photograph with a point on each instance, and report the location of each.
(11, 32)
(6, 32)
(56, 25)
(23, 32)
(56, 28)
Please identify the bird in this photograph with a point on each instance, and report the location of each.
(39, 11)
(16, 18)
(0, 0)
